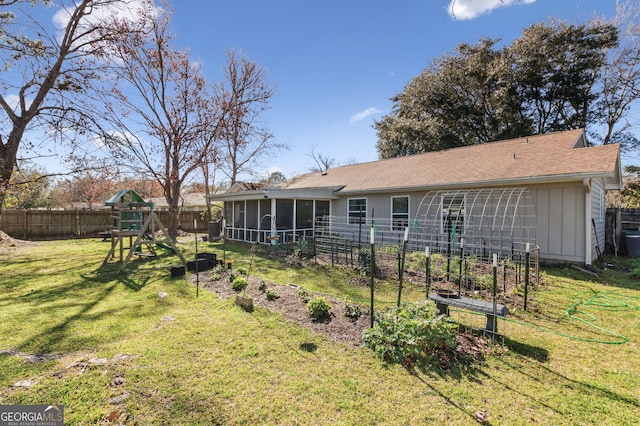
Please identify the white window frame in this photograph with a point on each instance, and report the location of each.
(407, 214)
(364, 216)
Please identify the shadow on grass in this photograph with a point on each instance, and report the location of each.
(533, 352)
(599, 390)
(52, 336)
(308, 347)
(544, 375)
(446, 398)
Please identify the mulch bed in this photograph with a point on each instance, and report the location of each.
(289, 304)
(337, 327)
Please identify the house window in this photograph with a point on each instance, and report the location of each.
(399, 213)
(357, 210)
(452, 214)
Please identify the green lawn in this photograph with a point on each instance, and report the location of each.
(571, 359)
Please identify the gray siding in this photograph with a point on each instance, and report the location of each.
(598, 213)
(560, 222)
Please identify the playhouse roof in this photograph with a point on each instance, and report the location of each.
(124, 196)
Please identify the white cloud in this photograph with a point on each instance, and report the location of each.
(14, 102)
(470, 9)
(364, 114)
(130, 11)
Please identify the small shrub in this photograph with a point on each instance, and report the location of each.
(271, 294)
(484, 282)
(232, 276)
(215, 276)
(318, 307)
(352, 310)
(410, 335)
(239, 284)
(262, 286)
(241, 270)
(294, 260)
(304, 295)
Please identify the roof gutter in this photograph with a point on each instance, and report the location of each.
(524, 181)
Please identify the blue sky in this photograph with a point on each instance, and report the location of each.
(336, 63)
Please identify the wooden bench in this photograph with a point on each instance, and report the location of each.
(476, 305)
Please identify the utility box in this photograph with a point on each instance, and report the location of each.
(214, 231)
(632, 243)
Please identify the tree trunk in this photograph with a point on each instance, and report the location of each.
(172, 195)
(8, 154)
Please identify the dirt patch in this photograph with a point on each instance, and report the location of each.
(9, 244)
(337, 327)
(289, 304)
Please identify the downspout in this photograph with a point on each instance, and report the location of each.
(587, 222)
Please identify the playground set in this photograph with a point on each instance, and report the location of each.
(135, 220)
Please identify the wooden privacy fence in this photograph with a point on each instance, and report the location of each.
(34, 224)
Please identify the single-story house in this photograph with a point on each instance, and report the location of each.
(545, 190)
(190, 201)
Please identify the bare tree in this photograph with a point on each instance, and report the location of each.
(159, 109)
(620, 81)
(45, 72)
(245, 94)
(324, 162)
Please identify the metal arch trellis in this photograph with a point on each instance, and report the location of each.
(493, 220)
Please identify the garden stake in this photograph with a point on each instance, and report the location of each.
(495, 293)
(401, 263)
(195, 230)
(527, 257)
(428, 272)
(373, 269)
(224, 241)
(461, 264)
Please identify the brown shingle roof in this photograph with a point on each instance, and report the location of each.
(551, 157)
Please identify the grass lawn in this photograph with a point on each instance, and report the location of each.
(111, 350)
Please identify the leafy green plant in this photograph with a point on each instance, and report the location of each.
(304, 295)
(352, 310)
(262, 286)
(232, 276)
(410, 335)
(484, 282)
(318, 307)
(364, 260)
(272, 294)
(241, 270)
(239, 284)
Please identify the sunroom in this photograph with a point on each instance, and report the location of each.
(274, 215)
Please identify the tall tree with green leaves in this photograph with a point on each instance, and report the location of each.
(556, 67)
(545, 81)
(461, 99)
